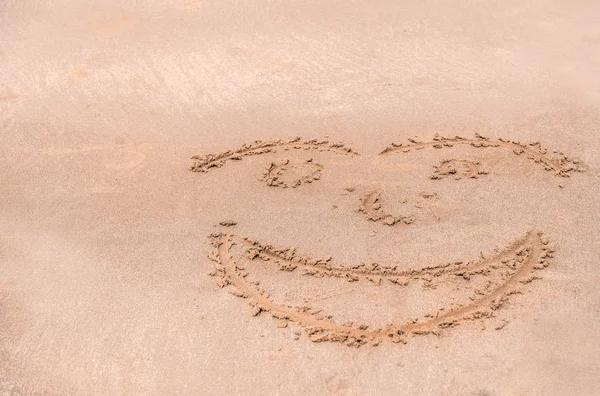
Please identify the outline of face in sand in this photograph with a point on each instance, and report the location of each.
(515, 265)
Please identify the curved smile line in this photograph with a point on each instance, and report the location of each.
(518, 262)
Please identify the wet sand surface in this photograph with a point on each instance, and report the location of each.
(305, 197)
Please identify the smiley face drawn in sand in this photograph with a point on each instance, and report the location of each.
(452, 293)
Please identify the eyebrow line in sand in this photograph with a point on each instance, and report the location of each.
(204, 162)
(560, 163)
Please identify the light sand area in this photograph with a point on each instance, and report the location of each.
(434, 229)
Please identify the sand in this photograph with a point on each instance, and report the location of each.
(202, 197)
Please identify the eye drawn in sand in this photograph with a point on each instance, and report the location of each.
(289, 174)
(509, 269)
(458, 169)
(203, 163)
(557, 162)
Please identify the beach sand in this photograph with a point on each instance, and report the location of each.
(302, 197)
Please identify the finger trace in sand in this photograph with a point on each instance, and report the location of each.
(516, 265)
(458, 169)
(370, 205)
(288, 174)
(423, 206)
(203, 163)
(556, 161)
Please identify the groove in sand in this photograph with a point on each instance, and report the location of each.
(517, 264)
(203, 163)
(371, 206)
(558, 162)
(458, 169)
(277, 174)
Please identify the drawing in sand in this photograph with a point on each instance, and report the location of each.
(324, 197)
(505, 272)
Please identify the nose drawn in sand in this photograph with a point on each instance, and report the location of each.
(420, 208)
(483, 285)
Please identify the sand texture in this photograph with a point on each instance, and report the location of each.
(299, 198)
